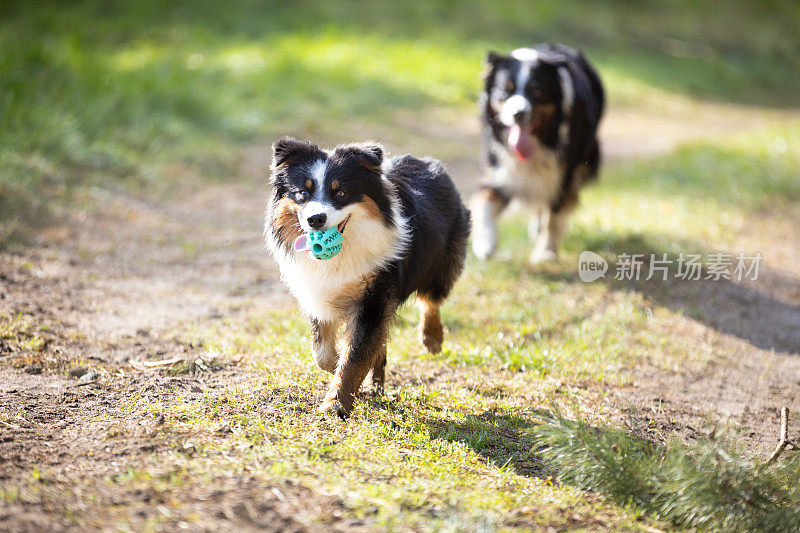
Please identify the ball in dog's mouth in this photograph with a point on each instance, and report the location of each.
(520, 142)
(301, 243)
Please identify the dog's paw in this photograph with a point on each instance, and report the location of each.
(326, 359)
(484, 228)
(333, 408)
(542, 256)
(374, 389)
(432, 338)
(483, 246)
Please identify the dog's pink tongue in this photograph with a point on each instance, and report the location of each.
(520, 141)
(301, 244)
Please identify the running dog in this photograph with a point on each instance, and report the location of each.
(404, 230)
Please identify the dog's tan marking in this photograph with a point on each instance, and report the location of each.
(570, 200)
(497, 201)
(309, 183)
(379, 371)
(335, 185)
(286, 223)
(349, 295)
(542, 116)
(372, 168)
(284, 163)
(431, 331)
(371, 209)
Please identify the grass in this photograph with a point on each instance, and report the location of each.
(457, 442)
(17, 333)
(414, 459)
(151, 96)
(700, 196)
(707, 485)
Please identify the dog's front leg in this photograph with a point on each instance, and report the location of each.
(550, 237)
(324, 340)
(366, 335)
(553, 223)
(378, 371)
(487, 204)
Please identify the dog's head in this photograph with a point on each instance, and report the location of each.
(315, 189)
(525, 96)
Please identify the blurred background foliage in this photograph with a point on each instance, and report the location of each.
(141, 94)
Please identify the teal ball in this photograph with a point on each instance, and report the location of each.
(325, 244)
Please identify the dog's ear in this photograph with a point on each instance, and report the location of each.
(372, 157)
(368, 154)
(287, 148)
(492, 59)
(373, 153)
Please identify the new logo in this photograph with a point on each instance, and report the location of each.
(591, 266)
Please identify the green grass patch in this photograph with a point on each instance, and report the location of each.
(709, 485)
(412, 459)
(18, 333)
(752, 170)
(691, 200)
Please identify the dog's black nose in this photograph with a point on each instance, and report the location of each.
(317, 221)
(519, 116)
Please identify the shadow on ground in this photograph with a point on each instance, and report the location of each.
(763, 312)
(503, 439)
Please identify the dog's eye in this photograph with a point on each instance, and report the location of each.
(301, 196)
(509, 86)
(340, 194)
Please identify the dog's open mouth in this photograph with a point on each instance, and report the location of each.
(342, 224)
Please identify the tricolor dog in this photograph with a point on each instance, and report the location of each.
(540, 111)
(404, 232)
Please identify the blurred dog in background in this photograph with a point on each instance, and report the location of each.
(540, 111)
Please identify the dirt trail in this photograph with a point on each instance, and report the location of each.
(105, 290)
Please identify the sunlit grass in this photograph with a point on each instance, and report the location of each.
(19, 333)
(456, 451)
(699, 197)
(148, 94)
(416, 458)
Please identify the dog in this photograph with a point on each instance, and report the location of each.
(405, 231)
(540, 110)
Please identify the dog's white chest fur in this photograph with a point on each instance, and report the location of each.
(536, 181)
(320, 286)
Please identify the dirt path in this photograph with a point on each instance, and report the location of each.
(105, 290)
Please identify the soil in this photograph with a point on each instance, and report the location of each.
(104, 289)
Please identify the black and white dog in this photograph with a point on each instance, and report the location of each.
(540, 111)
(405, 232)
